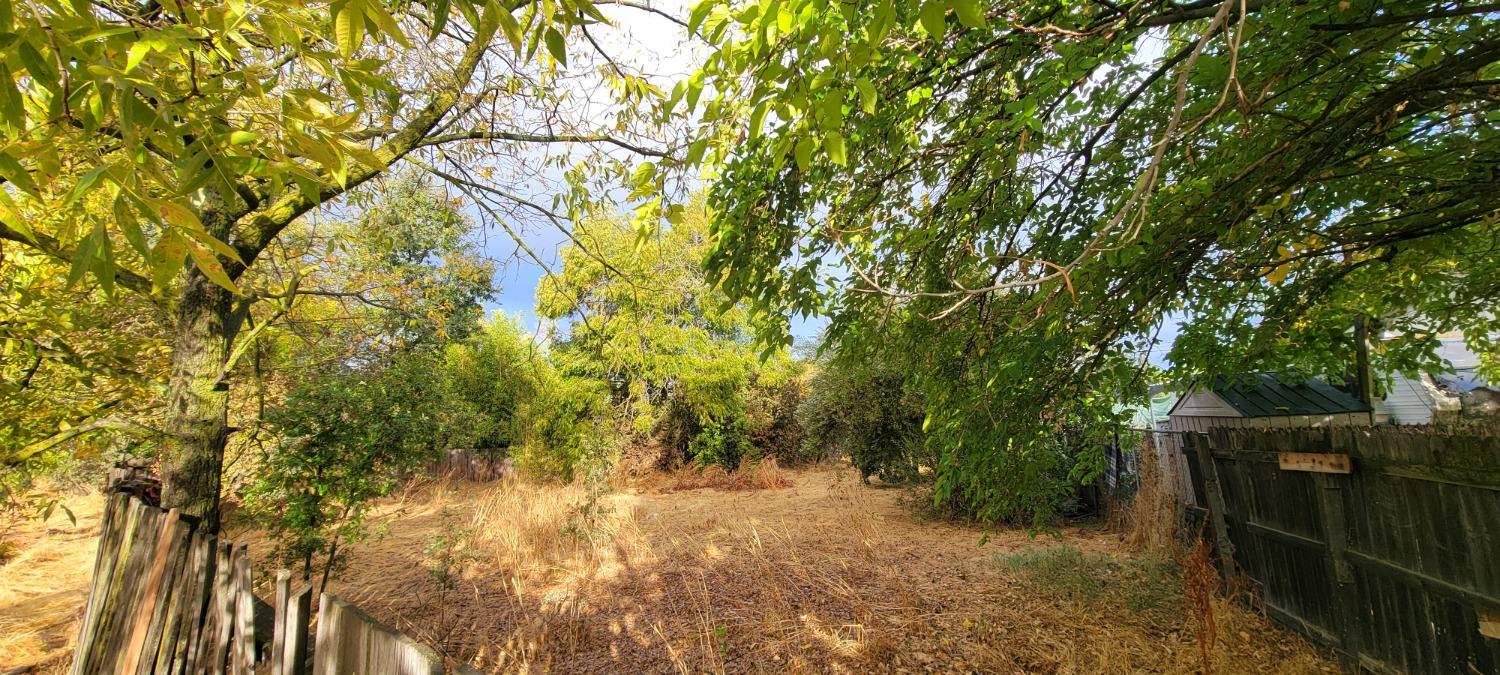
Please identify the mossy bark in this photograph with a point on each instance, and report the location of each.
(197, 415)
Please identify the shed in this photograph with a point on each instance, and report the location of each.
(1261, 400)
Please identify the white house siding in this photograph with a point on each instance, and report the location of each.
(1413, 400)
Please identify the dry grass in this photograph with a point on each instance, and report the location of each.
(825, 575)
(763, 474)
(44, 585)
(1149, 521)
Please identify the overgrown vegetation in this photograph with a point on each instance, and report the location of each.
(673, 355)
(1009, 199)
(870, 413)
(250, 241)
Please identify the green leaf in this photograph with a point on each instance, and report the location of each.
(17, 175)
(440, 11)
(556, 46)
(696, 150)
(349, 27)
(12, 217)
(699, 13)
(103, 267)
(867, 95)
(934, 18)
(12, 112)
(42, 69)
(758, 118)
(136, 54)
(167, 258)
(803, 152)
(511, 28)
(833, 143)
(176, 214)
(969, 13)
(215, 245)
(83, 259)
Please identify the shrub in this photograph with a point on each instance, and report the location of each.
(771, 402)
(343, 440)
(867, 413)
(722, 442)
(564, 427)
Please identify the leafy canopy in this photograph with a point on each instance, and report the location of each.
(187, 117)
(1012, 196)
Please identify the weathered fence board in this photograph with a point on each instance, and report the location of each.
(480, 466)
(351, 643)
(167, 598)
(1393, 562)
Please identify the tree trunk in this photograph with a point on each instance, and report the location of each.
(197, 415)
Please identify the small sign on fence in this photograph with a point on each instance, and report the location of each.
(1316, 462)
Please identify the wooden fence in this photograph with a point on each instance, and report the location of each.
(168, 599)
(1382, 542)
(480, 466)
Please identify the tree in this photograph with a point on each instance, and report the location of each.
(345, 440)
(209, 130)
(69, 358)
(675, 353)
(869, 413)
(488, 377)
(1013, 196)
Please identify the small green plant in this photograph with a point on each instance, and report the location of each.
(1139, 583)
(449, 552)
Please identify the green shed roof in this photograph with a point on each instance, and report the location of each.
(1271, 395)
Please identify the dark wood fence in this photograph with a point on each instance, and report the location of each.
(1381, 542)
(480, 466)
(168, 599)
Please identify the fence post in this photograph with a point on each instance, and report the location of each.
(278, 630)
(1216, 508)
(243, 658)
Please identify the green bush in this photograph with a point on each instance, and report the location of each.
(722, 442)
(341, 441)
(564, 427)
(867, 413)
(771, 404)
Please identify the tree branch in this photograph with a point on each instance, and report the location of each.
(482, 135)
(53, 248)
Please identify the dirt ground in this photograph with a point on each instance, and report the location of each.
(827, 575)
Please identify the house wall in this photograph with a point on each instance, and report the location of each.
(1413, 400)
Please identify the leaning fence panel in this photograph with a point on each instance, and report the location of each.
(1380, 542)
